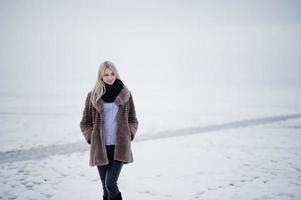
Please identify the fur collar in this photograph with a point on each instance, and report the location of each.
(121, 99)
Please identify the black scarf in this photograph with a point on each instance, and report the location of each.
(112, 91)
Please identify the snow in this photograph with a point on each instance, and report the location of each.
(220, 143)
(228, 146)
(256, 162)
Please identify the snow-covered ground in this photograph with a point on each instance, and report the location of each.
(32, 120)
(256, 162)
(235, 144)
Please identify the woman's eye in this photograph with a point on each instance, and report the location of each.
(112, 74)
(106, 74)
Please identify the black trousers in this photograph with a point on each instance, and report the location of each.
(109, 174)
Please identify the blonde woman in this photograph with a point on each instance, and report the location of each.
(109, 124)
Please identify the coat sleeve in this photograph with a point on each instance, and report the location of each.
(86, 124)
(132, 119)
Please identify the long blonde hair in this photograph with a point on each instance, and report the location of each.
(99, 88)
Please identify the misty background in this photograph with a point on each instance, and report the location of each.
(57, 46)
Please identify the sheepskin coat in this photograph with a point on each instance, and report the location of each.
(92, 128)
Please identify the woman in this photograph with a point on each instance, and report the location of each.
(109, 124)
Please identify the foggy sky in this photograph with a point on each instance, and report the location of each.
(52, 44)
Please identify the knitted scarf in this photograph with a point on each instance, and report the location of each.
(112, 91)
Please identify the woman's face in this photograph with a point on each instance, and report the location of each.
(109, 77)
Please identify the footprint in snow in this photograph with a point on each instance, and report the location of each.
(199, 194)
(284, 194)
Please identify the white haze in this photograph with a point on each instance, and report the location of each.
(57, 46)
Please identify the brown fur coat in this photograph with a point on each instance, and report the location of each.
(92, 125)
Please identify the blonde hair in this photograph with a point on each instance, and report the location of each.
(99, 88)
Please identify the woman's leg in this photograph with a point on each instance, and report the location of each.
(111, 179)
(109, 175)
(102, 170)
